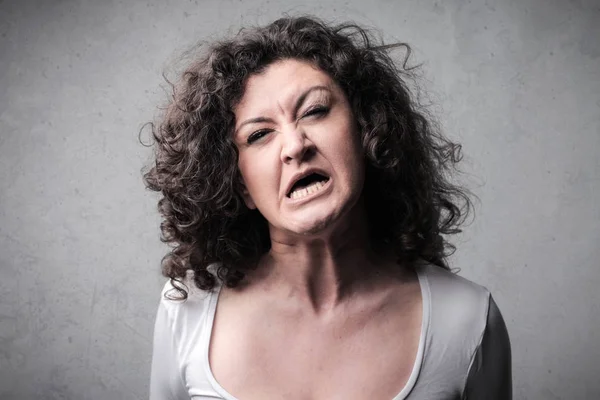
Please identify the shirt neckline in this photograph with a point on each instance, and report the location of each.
(416, 369)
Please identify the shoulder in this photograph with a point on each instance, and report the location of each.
(459, 314)
(455, 295)
(178, 310)
(458, 308)
(178, 329)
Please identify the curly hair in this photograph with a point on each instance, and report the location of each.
(410, 201)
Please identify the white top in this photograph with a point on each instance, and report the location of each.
(464, 349)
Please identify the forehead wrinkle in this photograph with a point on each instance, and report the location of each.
(319, 78)
(281, 108)
(321, 91)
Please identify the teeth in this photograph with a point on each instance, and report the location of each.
(312, 188)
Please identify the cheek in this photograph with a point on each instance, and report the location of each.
(347, 148)
(257, 175)
(247, 172)
(351, 156)
(242, 169)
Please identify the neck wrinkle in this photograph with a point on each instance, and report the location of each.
(323, 271)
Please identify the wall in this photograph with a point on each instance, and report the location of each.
(517, 82)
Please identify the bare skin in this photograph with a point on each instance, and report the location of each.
(324, 315)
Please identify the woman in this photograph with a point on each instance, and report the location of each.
(305, 196)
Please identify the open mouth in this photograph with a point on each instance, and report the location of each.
(308, 185)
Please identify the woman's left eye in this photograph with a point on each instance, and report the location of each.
(316, 111)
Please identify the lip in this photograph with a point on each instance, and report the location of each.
(303, 174)
(324, 190)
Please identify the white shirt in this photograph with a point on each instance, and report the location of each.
(463, 353)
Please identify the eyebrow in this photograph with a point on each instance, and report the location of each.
(297, 105)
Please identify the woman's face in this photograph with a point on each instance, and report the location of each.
(294, 122)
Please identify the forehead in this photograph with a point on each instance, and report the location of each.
(279, 84)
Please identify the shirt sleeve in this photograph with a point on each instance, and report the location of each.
(166, 382)
(490, 374)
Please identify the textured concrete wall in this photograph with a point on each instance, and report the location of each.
(517, 82)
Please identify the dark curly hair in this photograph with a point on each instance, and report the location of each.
(409, 198)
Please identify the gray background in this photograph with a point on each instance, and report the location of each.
(517, 82)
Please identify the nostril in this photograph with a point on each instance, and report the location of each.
(296, 147)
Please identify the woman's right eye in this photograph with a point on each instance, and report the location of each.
(257, 135)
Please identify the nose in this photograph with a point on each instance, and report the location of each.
(295, 145)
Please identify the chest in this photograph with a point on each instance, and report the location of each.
(356, 356)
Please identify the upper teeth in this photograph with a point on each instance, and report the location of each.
(313, 187)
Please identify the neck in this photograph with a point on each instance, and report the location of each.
(324, 270)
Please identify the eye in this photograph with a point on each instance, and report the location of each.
(254, 136)
(316, 111)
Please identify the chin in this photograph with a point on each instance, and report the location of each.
(320, 220)
(313, 229)
(315, 225)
